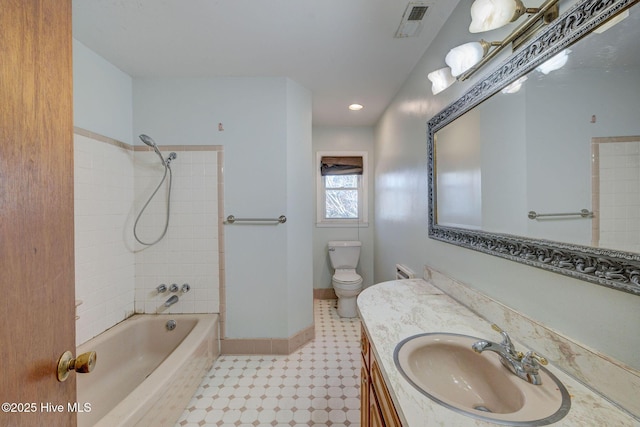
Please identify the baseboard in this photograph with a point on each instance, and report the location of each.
(324, 293)
(279, 346)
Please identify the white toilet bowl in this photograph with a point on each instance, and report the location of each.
(347, 284)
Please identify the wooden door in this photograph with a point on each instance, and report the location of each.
(36, 212)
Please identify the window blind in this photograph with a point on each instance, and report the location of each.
(334, 165)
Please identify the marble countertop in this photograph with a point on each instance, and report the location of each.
(392, 311)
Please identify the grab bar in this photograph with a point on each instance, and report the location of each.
(280, 220)
(584, 213)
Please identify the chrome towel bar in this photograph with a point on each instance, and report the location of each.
(280, 220)
(584, 213)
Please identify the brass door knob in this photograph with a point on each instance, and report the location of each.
(81, 364)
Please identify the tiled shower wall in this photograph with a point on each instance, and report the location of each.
(189, 251)
(115, 276)
(105, 264)
(617, 193)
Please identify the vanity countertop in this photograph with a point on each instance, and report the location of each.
(392, 311)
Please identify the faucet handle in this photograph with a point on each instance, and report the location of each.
(532, 358)
(506, 342)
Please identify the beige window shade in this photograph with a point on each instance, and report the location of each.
(350, 165)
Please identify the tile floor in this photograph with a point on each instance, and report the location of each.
(317, 385)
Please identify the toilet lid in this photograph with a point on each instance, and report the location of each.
(346, 276)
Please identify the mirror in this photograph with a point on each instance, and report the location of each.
(549, 175)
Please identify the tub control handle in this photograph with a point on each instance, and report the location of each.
(82, 364)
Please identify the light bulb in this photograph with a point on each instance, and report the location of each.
(488, 15)
(440, 79)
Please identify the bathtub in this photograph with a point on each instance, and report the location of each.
(145, 374)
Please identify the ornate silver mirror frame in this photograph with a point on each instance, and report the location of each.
(614, 269)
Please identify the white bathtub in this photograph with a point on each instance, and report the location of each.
(145, 375)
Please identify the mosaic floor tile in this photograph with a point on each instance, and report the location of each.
(318, 385)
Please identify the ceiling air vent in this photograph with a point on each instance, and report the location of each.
(411, 23)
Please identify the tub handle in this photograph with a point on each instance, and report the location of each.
(82, 364)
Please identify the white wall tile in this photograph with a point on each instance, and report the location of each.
(104, 265)
(189, 253)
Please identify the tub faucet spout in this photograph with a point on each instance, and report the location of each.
(172, 300)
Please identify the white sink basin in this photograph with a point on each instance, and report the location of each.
(445, 368)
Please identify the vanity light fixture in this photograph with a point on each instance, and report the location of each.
(356, 107)
(441, 79)
(465, 60)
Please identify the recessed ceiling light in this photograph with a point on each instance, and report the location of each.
(355, 107)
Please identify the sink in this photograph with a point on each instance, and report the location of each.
(444, 367)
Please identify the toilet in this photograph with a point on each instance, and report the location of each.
(347, 284)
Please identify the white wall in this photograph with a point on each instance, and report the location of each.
(343, 139)
(591, 314)
(266, 131)
(102, 95)
(299, 209)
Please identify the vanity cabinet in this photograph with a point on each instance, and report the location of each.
(376, 408)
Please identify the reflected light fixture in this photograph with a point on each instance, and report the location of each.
(356, 107)
(440, 80)
(555, 63)
(515, 86)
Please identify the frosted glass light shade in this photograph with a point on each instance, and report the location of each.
(488, 15)
(440, 79)
(463, 57)
(554, 63)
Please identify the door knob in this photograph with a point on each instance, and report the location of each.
(81, 364)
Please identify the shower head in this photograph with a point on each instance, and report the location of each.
(151, 143)
(148, 140)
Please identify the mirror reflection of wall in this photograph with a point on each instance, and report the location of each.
(459, 174)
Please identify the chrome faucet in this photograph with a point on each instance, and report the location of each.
(525, 366)
(172, 300)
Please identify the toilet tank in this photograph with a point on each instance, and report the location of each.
(344, 253)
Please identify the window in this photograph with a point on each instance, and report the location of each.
(342, 195)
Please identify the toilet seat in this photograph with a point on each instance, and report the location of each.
(347, 277)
